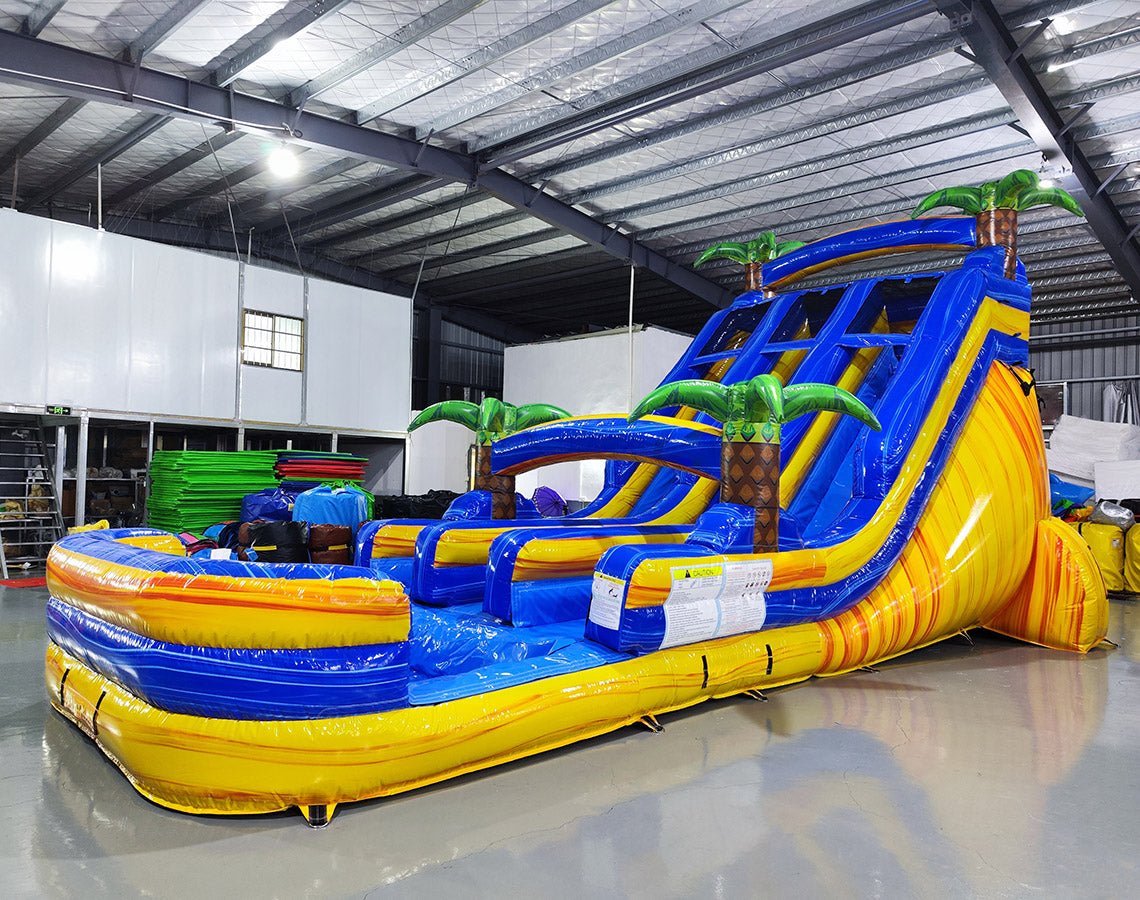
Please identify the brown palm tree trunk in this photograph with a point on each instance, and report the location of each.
(752, 273)
(750, 476)
(998, 228)
(502, 487)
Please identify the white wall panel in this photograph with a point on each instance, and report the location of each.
(586, 375)
(437, 458)
(100, 321)
(271, 290)
(183, 324)
(89, 323)
(358, 358)
(23, 308)
(272, 395)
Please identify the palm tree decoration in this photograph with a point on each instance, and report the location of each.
(491, 420)
(750, 254)
(996, 205)
(752, 412)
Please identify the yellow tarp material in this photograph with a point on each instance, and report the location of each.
(1107, 545)
(1132, 560)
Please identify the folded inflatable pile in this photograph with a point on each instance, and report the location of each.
(830, 477)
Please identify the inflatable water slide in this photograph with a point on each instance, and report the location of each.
(864, 476)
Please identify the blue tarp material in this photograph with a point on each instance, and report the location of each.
(1065, 495)
(271, 505)
(331, 506)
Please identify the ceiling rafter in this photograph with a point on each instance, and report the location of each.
(91, 76)
(40, 133)
(546, 76)
(40, 16)
(480, 59)
(172, 167)
(162, 28)
(994, 47)
(269, 36)
(691, 71)
(415, 31)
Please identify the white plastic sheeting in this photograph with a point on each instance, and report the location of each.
(1077, 445)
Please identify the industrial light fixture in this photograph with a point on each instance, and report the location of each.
(283, 162)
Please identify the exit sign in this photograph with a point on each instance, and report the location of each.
(58, 410)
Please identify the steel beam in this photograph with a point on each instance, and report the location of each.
(944, 88)
(173, 167)
(27, 60)
(40, 16)
(991, 42)
(355, 202)
(145, 127)
(219, 185)
(40, 133)
(414, 31)
(943, 131)
(488, 250)
(401, 220)
(301, 182)
(270, 37)
(481, 58)
(693, 14)
(415, 244)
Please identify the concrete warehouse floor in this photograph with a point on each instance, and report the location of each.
(993, 770)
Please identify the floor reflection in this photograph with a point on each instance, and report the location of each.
(958, 770)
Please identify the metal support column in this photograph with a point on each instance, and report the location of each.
(434, 353)
(81, 470)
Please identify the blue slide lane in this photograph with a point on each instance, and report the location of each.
(642, 629)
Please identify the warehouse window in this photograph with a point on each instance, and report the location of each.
(268, 339)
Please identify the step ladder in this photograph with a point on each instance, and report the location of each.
(30, 516)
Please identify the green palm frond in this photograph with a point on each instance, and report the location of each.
(967, 199)
(800, 399)
(707, 396)
(1049, 197)
(762, 247)
(761, 399)
(493, 414)
(459, 411)
(1013, 185)
(538, 414)
(736, 252)
(787, 247)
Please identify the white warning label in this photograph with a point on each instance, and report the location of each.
(715, 600)
(605, 601)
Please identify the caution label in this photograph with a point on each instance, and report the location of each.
(605, 601)
(715, 600)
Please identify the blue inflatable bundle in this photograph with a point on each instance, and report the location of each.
(326, 505)
(272, 505)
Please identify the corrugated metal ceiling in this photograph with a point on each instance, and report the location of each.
(852, 135)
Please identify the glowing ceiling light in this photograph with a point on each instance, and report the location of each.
(283, 162)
